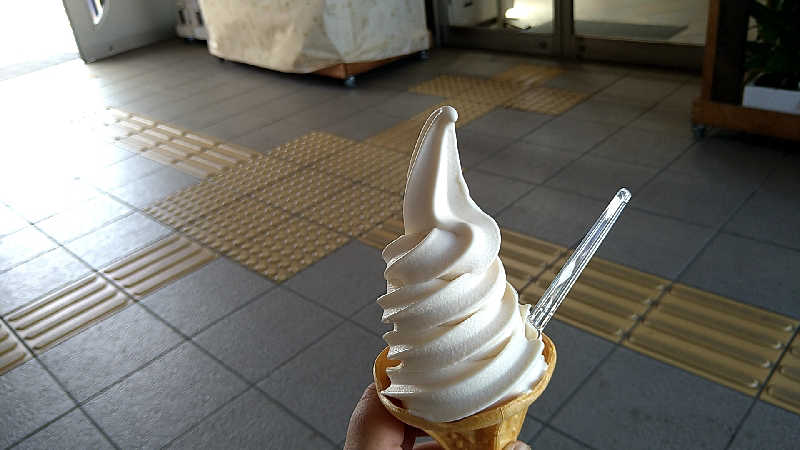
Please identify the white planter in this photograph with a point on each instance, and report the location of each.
(772, 99)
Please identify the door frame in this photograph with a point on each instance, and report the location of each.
(564, 43)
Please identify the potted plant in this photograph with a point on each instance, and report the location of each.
(773, 58)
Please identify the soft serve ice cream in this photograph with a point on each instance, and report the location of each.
(459, 333)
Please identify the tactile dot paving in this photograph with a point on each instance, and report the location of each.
(12, 352)
(312, 147)
(528, 74)
(391, 178)
(481, 90)
(266, 239)
(355, 210)
(608, 299)
(546, 100)
(301, 190)
(62, 314)
(380, 236)
(783, 388)
(468, 111)
(150, 268)
(184, 207)
(401, 137)
(731, 343)
(258, 174)
(359, 162)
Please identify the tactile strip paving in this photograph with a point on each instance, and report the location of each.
(64, 313)
(12, 352)
(546, 100)
(150, 268)
(525, 257)
(528, 74)
(266, 239)
(783, 388)
(731, 343)
(197, 155)
(474, 89)
(607, 299)
(355, 210)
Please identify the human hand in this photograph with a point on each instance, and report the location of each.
(373, 428)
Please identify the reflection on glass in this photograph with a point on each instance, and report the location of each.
(531, 16)
(678, 21)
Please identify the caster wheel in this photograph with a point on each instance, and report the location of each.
(698, 131)
(423, 55)
(350, 81)
(188, 40)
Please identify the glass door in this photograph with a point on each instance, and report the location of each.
(660, 32)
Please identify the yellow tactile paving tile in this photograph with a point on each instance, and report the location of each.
(475, 89)
(546, 100)
(607, 300)
(257, 174)
(390, 179)
(355, 210)
(301, 190)
(150, 268)
(783, 388)
(525, 257)
(12, 352)
(360, 161)
(380, 236)
(528, 74)
(198, 155)
(184, 207)
(64, 313)
(312, 147)
(266, 239)
(729, 342)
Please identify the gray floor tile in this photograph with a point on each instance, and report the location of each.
(345, 280)
(634, 401)
(230, 107)
(613, 113)
(773, 214)
(336, 369)
(530, 427)
(83, 218)
(404, 105)
(30, 399)
(117, 239)
(578, 354)
(654, 244)
(105, 351)
(90, 154)
(152, 188)
(360, 99)
(45, 197)
(251, 421)
(474, 147)
(642, 147)
(370, 318)
(324, 114)
(123, 172)
(692, 198)
(271, 136)
(583, 80)
(206, 295)
(601, 178)
(22, 246)
(494, 193)
(158, 403)
(253, 119)
(264, 334)
(754, 272)
(363, 125)
(529, 162)
(482, 65)
(768, 426)
(552, 215)
(174, 111)
(676, 122)
(553, 440)
(728, 161)
(507, 123)
(682, 98)
(571, 134)
(638, 90)
(73, 431)
(27, 282)
(10, 222)
(145, 105)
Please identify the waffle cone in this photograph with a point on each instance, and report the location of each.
(492, 428)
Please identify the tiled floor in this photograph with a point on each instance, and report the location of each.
(225, 357)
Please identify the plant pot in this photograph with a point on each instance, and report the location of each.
(770, 98)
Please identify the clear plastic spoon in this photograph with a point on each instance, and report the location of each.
(563, 282)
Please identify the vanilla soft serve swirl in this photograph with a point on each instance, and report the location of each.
(459, 331)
